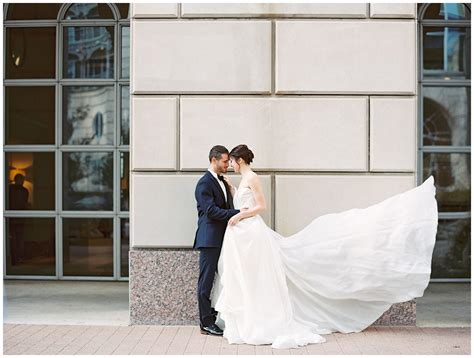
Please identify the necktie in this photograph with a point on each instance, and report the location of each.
(221, 177)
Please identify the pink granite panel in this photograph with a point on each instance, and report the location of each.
(163, 290)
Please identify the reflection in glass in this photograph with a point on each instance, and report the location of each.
(30, 246)
(125, 116)
(88, 52)
(124, 10)
(30, 180)
(446, 116)
(31, 52)
(29, 115)
(124, 180)
(452, 251)
(32, 11)
(125, 52)
(124, 246)
(452, 176)
(447, 52)
(89, 11)
(88, 247)
(88, 181)
(88, 115)
(447, 11)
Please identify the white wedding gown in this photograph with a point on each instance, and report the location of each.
(338, 274)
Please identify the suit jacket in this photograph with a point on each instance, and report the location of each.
(213, 212)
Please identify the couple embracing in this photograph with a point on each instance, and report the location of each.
(338, 274)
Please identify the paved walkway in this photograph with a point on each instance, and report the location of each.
(106, 303)
(75, 339)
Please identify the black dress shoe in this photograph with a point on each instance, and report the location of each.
(213, 330)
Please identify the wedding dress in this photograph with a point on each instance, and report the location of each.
(338, 274)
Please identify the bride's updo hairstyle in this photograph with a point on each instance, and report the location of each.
(242, 151)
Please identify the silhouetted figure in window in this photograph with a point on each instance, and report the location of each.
(18, 194)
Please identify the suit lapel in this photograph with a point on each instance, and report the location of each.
(214, 180)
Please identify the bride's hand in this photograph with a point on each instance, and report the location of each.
(228, 181)
(235, 219)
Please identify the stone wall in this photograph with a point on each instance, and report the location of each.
(324, 94)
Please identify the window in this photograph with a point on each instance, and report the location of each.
(33, 11)
(89, 11)
(30, 115)
(445, 130)
(66, 140)
(30, 246)
(30, 52)
(30, 180)
(94, 54)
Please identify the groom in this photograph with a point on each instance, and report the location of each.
(215, 208)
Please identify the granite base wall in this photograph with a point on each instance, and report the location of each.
(163, 290)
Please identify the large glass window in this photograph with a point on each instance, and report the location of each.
(30, 52)
(88, 247)
(125, 52)
(30, 180)
(124, 246)
(88, 181)
(446, 11)
(453, 179)
(124, 181)
(445, 130)
(30, 246)
(66, 140)
(88, 52)
(89, 11)
(445, 52)
(446, 114)
(125, 118)
(32, 11)
(452, 252)
(30, 115)
(88, 115)
(124, 10)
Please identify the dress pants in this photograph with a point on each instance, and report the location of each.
(208, 258)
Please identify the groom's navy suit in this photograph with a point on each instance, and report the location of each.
(214, 212)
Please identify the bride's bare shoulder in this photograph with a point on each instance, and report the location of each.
(253, 177)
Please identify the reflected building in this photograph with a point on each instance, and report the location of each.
(89, 117)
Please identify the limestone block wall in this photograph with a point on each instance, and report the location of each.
(324, 94)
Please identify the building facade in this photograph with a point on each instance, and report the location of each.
(343, 105)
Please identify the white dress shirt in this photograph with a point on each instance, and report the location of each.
(221, 183)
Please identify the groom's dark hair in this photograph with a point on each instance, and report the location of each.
(217, 151)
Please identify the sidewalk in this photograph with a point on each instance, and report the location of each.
(75, 339)
(66, 317)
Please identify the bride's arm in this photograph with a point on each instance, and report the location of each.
(260, 206)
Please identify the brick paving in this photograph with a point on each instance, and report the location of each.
(182, 340)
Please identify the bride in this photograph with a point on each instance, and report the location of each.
(338, 274)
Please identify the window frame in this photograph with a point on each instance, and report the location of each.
(421, 84)
(58, 148)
